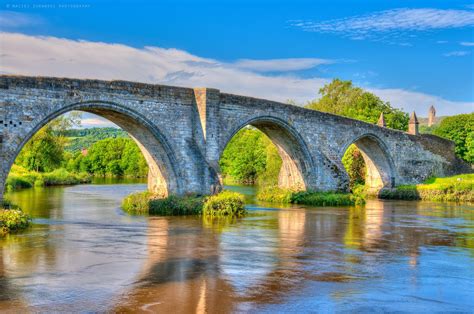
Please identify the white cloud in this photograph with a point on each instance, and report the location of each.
(51, 56)
(456, 53)
(281, 65)
(391, 23)
(13, 20)
(420, 102)
(467, 43)
(442, 42)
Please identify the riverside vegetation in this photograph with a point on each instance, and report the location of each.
(225, 203)
(12, 219)
(458, 188)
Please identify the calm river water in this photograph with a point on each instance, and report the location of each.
(84, 254)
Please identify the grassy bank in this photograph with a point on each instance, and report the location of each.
(458, 188)
(12, 219)
(222, 204)
(20, 178)
(278, 195)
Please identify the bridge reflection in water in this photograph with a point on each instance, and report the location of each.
(286, 259)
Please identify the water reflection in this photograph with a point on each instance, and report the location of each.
(85, 254)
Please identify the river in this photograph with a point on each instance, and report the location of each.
(84, 254)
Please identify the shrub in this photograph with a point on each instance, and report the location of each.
(12, 218)
(226, 203)
(137, 203)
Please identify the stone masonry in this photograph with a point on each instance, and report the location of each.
(182, 133)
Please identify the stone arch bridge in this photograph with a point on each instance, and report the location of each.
(182, 133)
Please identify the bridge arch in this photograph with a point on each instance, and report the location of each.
(380, 166)
(163, 177)
(297, 161)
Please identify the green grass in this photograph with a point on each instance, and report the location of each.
(20, 178)
(12, 219)
(278, 195)
(222, 204)
(458, 188)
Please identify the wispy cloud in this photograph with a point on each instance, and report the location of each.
(460, 53)
(442, 42)
(51, 56)
(12, 20)
(281, 65)
(467, 43)
(391, 23)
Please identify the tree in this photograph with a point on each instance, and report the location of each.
(43, 152)
(342, 98)
(460, 129)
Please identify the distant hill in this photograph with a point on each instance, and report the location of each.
(84, 138)
(424, 121)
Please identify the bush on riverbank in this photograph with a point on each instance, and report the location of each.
(458, 188)
(278, 195)
(224, 203)
(20, 178)
(12, 218)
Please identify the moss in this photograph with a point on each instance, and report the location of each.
(176, 206)
(458, 188)
(12, 219)
(226, 203)
(278, 195)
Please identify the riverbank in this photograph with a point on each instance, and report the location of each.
(226, 203)
(458, 188)
(20, 178)
(12, 219)
(286, 196)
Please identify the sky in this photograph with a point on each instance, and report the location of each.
(413, 54)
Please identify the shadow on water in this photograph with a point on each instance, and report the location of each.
(88, 256)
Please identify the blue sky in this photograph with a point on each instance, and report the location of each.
(411, 53)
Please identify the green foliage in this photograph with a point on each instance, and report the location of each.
(342, 98)
(114, 157)
(278, 195)
(20, 178)
(460, 129)
(226, 203)
(145, 203)
(458, 188)
(251, 158)
(355, 166)
(12, 219)
(44, 152)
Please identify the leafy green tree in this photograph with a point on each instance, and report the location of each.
(460, 129)
(342, 98)
(43, 152)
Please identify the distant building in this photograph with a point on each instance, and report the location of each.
(431, 116)
(413, 124)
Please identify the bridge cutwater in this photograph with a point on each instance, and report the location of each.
(182, 133)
